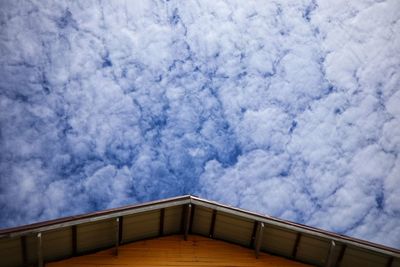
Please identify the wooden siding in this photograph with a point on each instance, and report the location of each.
(173, 251)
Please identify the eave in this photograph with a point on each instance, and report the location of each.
(190, 214)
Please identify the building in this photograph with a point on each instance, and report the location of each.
(184, 231)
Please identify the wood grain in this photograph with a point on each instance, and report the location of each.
(174, 251)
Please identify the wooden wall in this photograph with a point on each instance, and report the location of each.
(174, 251)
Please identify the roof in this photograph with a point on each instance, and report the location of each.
(82, 234)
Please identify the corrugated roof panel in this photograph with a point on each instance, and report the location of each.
(96, 235)
(233, 228)
(172, 220)
(278, 241)
(360, 257)
(10, 252)
(141, 226)
(57, 244)
(313, 250)
(201, 220)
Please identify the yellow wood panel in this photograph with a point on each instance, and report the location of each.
(174, 251)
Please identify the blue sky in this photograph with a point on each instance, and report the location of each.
(288, 108)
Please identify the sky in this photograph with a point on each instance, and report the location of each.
(286, 108)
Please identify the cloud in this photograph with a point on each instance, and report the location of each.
(289, 109)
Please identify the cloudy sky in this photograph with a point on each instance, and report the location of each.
(287, 108)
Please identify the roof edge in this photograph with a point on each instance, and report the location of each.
(91, 216)
(299, 227)
(187, 199)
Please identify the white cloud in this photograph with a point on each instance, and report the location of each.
(289, 109)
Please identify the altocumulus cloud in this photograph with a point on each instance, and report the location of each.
(289, 108)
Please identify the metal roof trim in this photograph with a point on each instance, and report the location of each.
(297, 227)
(186, 199)
(93, 216)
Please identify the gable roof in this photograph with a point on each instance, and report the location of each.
(75, 235)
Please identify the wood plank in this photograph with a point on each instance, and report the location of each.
(173, 251)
